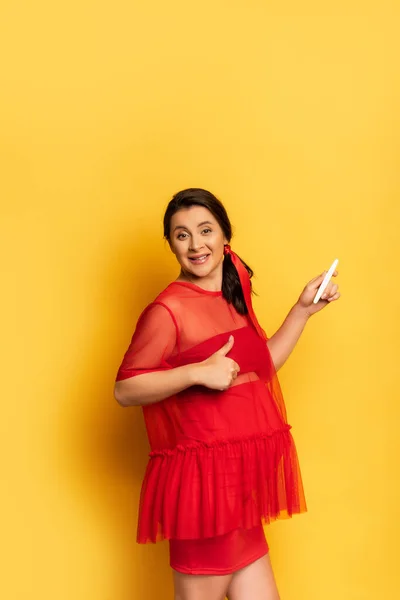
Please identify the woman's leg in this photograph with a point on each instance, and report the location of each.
(200, 587)
(256, 581)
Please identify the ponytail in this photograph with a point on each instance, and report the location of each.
(232, 289)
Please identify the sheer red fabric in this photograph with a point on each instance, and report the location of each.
(219, 461)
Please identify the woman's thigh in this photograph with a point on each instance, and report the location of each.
(200, 587)
(256, 581)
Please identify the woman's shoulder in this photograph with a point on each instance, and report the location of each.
(171, 297)
(160, 311)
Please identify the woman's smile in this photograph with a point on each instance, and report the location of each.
(201, 259)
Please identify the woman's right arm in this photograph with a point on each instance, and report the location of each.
(217, 372)
(148, 388)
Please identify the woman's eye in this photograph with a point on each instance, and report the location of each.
(183, 235)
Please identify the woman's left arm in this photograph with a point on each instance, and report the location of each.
(282, 343)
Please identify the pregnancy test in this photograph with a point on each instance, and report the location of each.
(326, 280)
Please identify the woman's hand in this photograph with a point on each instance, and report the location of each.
(218, 371)
(331, 293)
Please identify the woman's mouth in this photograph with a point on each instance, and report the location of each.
(199, 260)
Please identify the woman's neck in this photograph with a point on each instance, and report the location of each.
(211, 283)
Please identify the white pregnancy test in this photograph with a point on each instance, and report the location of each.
(326, 280)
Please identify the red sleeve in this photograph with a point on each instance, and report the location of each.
(153, 342)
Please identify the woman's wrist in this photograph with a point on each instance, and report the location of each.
(193, 374)
(300, 312)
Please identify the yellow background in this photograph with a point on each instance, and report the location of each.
(291, 115)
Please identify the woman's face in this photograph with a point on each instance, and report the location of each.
(197, 241)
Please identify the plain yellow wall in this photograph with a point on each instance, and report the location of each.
(291, 116)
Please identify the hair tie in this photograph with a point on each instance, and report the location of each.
(246, 287)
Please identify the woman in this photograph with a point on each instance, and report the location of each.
(223, 460)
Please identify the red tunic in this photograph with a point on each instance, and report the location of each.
(219, 461)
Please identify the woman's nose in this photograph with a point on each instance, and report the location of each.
(196, 243)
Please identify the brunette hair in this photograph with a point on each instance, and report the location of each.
(231, 286)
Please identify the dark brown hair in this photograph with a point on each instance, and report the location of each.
(231, 286)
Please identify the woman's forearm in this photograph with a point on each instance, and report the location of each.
(282, 343)
(149, 388)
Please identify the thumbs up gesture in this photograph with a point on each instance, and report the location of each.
(218, 371)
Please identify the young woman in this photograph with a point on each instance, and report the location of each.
(222, 460)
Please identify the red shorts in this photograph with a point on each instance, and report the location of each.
(219, 555)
